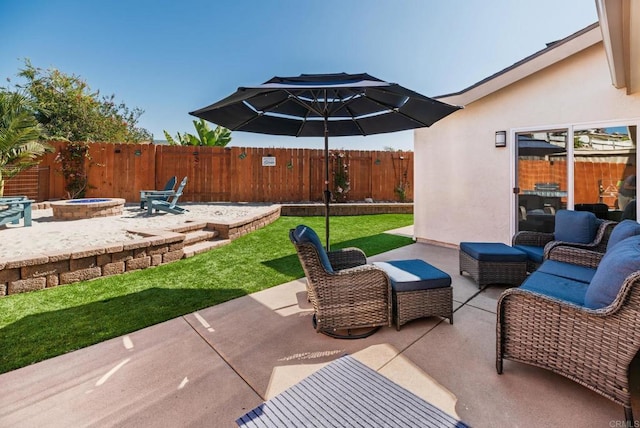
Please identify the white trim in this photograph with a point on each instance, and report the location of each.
(612, 39)
(571, 168)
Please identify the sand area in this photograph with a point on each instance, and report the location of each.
(49, 234)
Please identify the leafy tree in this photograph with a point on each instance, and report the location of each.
(68, 109)
(20, 135)
(218, 137)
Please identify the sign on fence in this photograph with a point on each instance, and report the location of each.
(268, 161)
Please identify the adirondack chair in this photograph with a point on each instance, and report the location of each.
(16, 208)
(163, 194)
(160, 204)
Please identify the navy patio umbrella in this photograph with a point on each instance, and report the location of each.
(325, 105)
(534, 147)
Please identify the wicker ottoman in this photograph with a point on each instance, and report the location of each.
(493, 263)
(419, 290)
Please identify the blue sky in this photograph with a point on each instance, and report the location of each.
(172, 57)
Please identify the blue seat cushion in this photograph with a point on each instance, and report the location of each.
(616, 265)
(304, 234)
(533, 253)
(414, 275)
(623, 230)
(576, 226)
(567, 270)
(557, 287)
(492, 252)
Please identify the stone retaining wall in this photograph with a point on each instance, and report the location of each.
(37, 272)
(307, 210)
(156, 247)
(236, 229)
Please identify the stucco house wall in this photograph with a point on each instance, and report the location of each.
(463, 183)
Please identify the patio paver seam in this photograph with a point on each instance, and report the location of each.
(401, 351)
(225, 359)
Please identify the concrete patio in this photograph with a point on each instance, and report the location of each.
(210, 367)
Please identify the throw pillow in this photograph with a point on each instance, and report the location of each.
(575, 226)
(622, 231)
(614, 268)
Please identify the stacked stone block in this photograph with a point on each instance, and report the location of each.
(51, 270)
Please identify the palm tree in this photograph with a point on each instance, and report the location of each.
(20, 134)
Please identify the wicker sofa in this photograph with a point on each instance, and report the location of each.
(347, 294)
(578, 315)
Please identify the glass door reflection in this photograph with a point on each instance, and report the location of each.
(541, 178)
(605, 171)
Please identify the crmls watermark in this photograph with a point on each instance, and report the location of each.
(624, 424)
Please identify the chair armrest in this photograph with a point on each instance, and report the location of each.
(602, 237)
(352, 284)
(538, 239)
(156, 193)
(573, 255)
(347, 258)
(599, 244)
(14, 202)
(359, 284)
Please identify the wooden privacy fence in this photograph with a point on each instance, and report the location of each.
(232, 174)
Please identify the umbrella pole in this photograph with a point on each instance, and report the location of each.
(327, 192)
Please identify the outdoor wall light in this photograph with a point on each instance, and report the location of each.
(501, 138)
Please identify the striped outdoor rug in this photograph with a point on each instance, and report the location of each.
(347, 393)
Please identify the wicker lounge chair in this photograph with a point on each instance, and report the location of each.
(346, 293)
(529, 241)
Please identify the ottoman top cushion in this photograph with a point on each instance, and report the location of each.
(492, 252)
(414, 275)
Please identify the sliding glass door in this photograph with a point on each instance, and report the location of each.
(596, 172)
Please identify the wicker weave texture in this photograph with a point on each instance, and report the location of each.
(576, 256)
(536, 239)
(490, 272)
(352, 298)
(411, 305)
(591, 347)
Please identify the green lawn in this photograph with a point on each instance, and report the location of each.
(40, 325)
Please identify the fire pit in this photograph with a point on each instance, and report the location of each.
(76, 209)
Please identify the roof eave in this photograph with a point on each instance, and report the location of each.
(540, 60)
(620, 23)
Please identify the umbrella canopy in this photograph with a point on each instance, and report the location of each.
(534, 147)
(324, 105)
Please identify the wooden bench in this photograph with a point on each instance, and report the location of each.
(15, 208)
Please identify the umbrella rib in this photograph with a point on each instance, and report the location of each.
(308, 106)
(397, 109)
(345, 105)
(259, 113)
